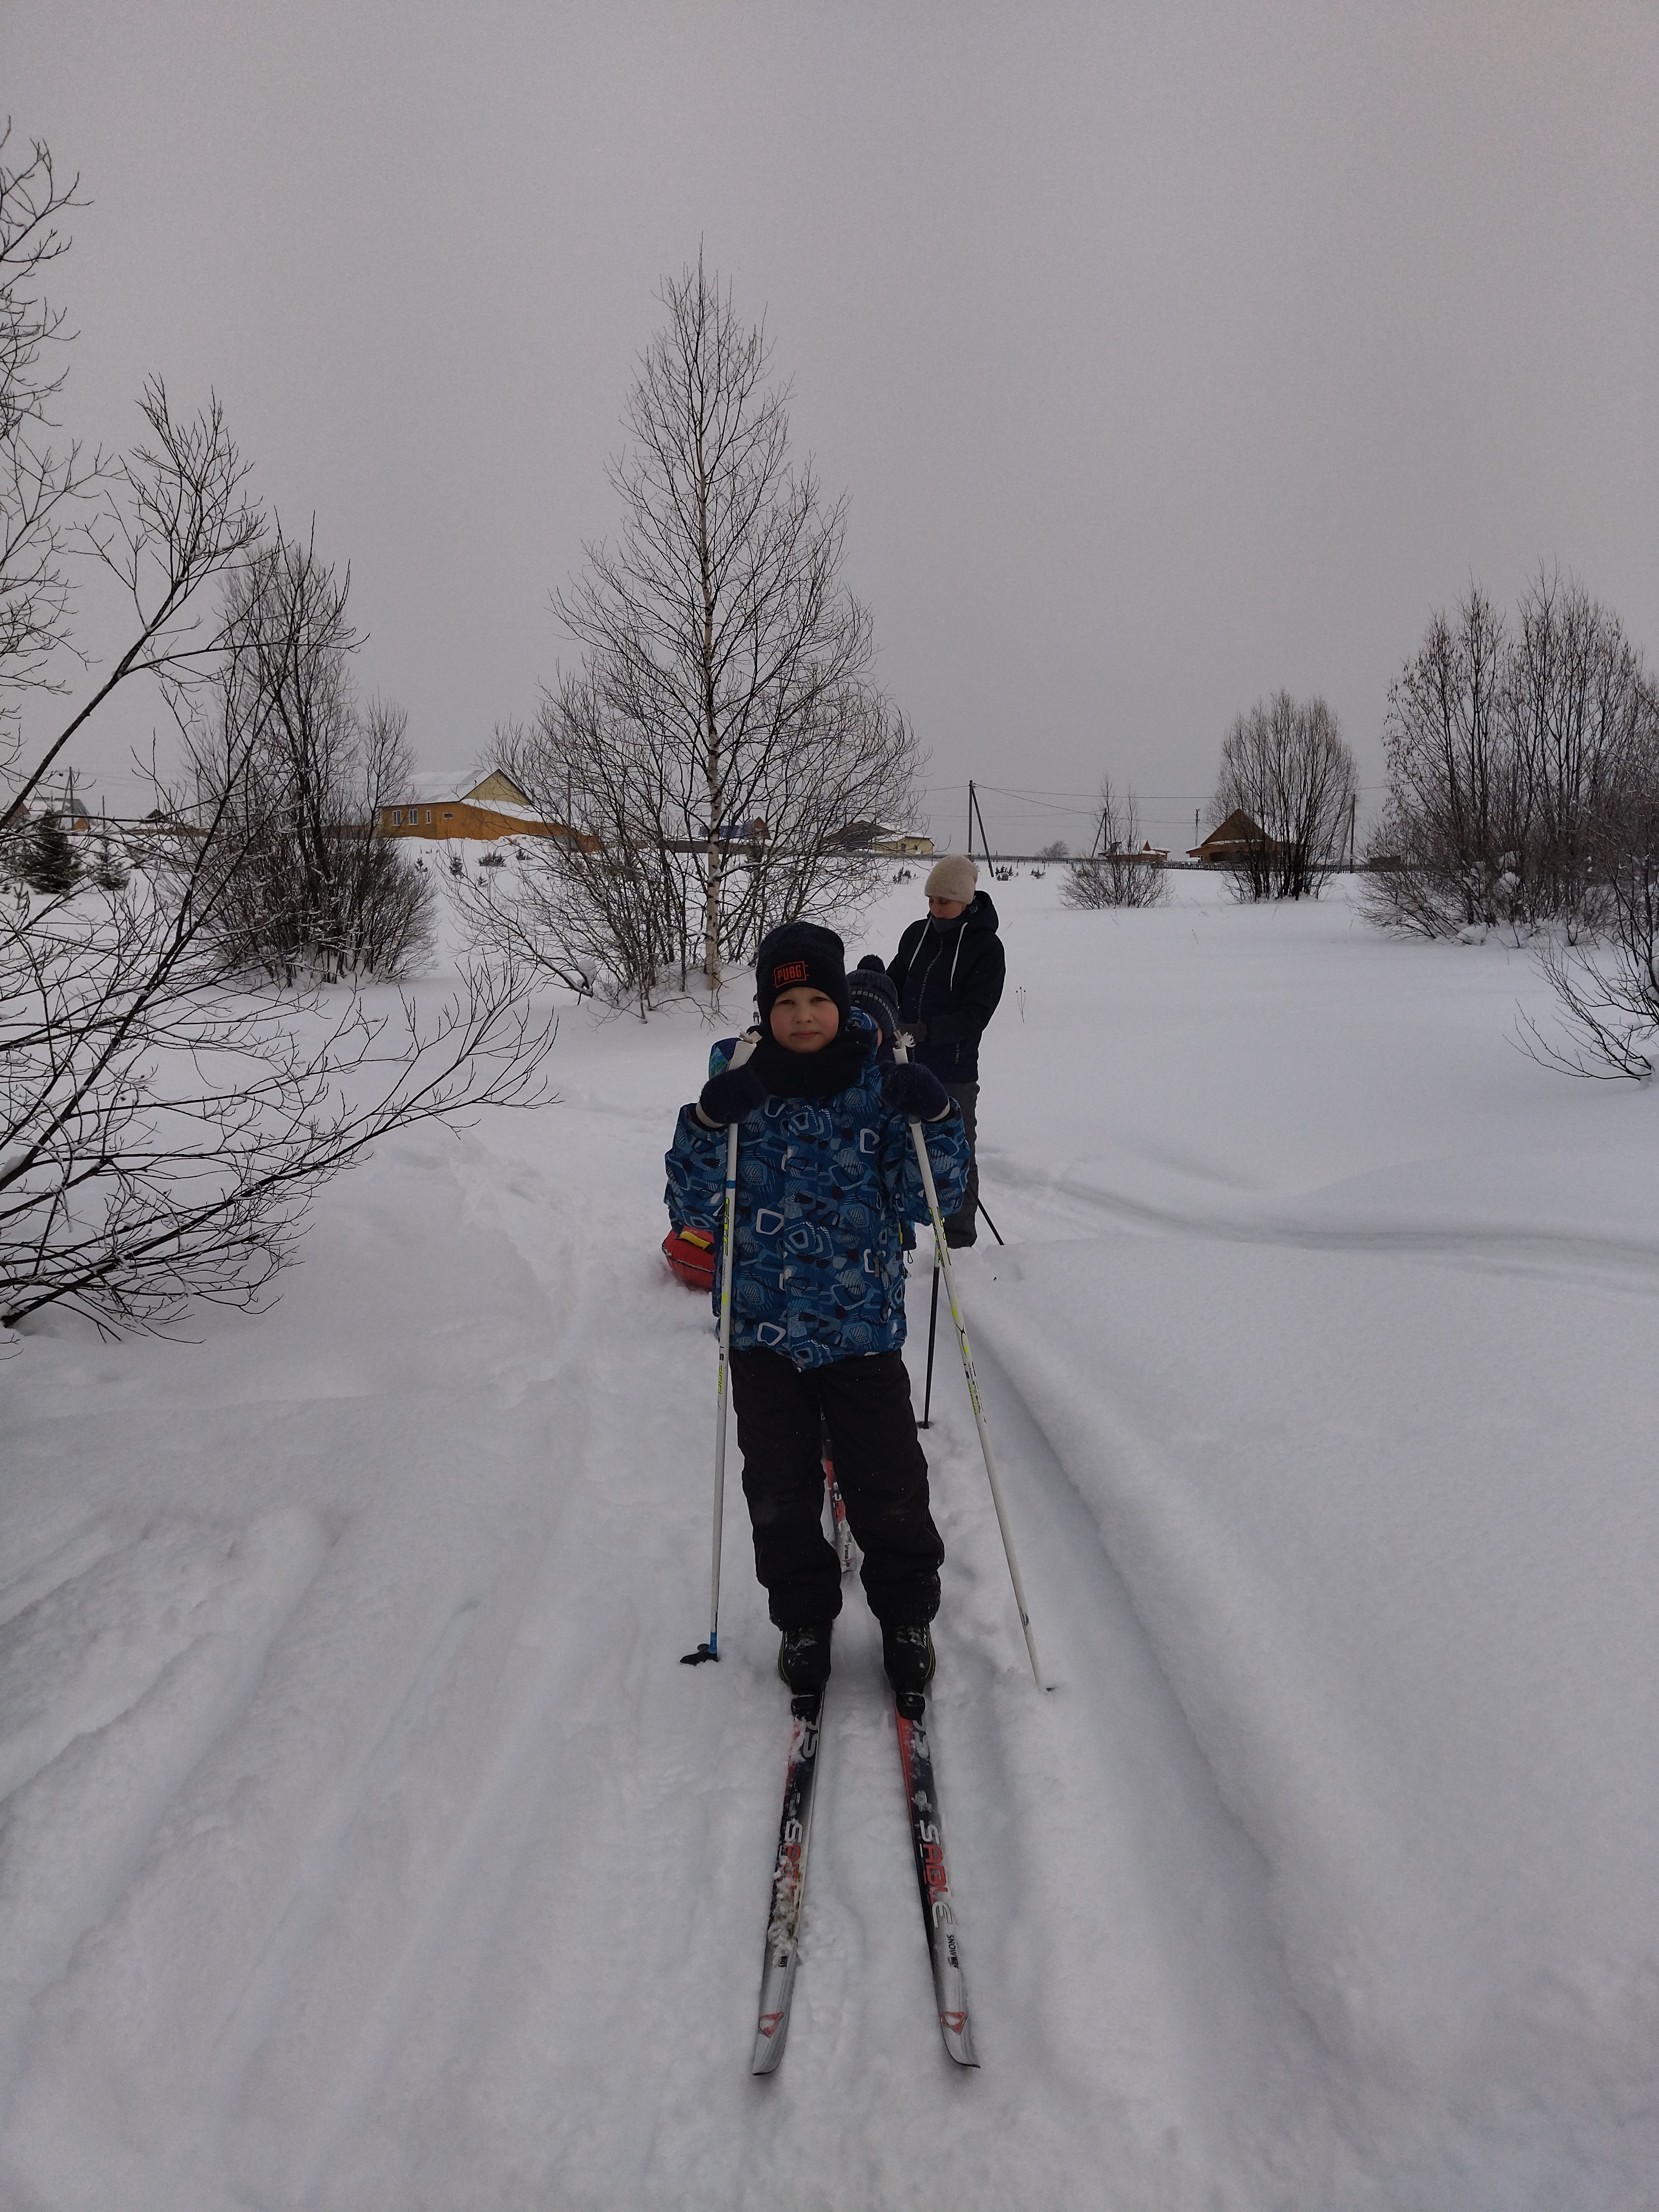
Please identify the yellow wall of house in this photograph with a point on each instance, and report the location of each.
(454, 817)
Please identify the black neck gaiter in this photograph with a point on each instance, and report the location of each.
(811, 1074)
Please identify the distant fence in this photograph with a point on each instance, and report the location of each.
(1100, 859)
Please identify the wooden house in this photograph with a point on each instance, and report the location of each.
(877, 837)
(491, 810)
(1230, 841)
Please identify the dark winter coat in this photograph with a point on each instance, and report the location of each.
(824, 1189)
(950, 980)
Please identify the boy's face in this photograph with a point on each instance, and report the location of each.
(805, 1020)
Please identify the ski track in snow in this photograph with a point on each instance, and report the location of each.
(1070, 1205)
(362, 1844)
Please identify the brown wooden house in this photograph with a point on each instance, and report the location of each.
(1233, 841)
(491, 810)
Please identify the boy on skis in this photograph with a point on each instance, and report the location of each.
(827, 1177)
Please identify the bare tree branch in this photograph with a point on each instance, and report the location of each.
(39, 484)
(175, 517)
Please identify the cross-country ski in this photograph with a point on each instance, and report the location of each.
(781, 1953)
(782, 1949)
(933, 1873)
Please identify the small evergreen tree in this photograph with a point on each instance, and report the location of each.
(109, 870)
(49, 863)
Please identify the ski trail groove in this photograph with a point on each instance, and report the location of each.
(1163, 1879)
(1626, 1264)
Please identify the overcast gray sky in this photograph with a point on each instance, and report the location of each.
(1169, 354)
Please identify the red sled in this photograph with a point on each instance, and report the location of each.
(690, 1254)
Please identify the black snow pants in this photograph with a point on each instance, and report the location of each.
(962, 1227)
(879, 1465)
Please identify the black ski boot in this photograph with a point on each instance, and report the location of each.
(804, 1659)
(907, 1653)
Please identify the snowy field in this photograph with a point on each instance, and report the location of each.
(366, 1849)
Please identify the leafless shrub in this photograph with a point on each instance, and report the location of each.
(296, 774)
(1521, 764)
(1120, 870)
(160, 1137)
(1609, 999)
(1285, 766)
(604, 909)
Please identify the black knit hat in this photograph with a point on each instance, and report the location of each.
(872, 987)
(800, 952)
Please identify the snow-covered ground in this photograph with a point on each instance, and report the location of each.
(365, 1846)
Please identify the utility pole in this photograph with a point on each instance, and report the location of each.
(976, 813)
(984, 834)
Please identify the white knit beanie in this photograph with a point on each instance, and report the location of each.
(954, 876)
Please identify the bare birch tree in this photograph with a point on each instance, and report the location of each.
(726, 659)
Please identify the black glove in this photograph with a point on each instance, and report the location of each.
(730, 1095)
(915, 1091)
(916, 1031)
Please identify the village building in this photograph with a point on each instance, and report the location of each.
(877, 837)
(488, 811)
(1235, 839)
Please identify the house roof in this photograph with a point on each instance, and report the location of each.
(498, 789)
(448, 789)
(1237, 832)
(430, 785)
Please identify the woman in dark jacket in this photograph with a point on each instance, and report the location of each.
(949, 973)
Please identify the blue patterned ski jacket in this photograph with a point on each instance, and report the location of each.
(824, 1187)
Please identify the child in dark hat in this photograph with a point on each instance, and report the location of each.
(874, 992)
(827, 1179)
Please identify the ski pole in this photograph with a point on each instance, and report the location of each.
(933, 1325)
(989, 1223)
(746, 1044)
(942, 1258)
